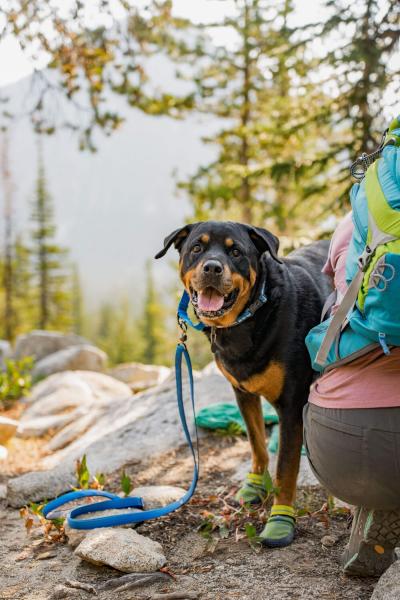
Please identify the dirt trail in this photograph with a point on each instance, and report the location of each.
(218, 569)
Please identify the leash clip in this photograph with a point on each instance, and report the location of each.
(182, 335)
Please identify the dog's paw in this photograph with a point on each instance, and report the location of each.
(280, 528)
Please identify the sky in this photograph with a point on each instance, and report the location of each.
(15, 65)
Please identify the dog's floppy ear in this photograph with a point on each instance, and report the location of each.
(264, 240)
(177, 238)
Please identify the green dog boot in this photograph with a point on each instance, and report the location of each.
(252, 491)
(279, 530)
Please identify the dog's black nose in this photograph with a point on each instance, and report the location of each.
(213, 267)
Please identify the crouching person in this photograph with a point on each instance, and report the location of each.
(352, 435)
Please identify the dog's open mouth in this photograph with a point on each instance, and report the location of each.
(211, 303)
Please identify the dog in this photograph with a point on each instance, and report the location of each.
(226, 267)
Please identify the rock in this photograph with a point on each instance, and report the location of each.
(69, 433)
(37, 485)
(61, 591)
(158, 495)
(80, 397)
(3, 491)
(8, 428)
(5, 352)
(84, 357)
(39, 344)
(139, 376)
(40, 426)
(126, 430)
(328, 540)
(76, 536)
(122, 549)
(388, 586)
(63, 391)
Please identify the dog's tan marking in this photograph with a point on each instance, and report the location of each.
(229, 242)
(187, 278)
(205, 238)
(269, 383)
(227, 375)
(250, 407)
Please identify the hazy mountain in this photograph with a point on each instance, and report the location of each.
(113, 208)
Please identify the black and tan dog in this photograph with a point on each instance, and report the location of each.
(225, 267)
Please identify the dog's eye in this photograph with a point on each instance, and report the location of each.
(196, 248)
(235, 252)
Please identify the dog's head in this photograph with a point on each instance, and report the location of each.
(219, 264)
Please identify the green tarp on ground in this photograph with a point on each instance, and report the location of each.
(224, 414)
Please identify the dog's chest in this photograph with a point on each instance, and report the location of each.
(268, 382)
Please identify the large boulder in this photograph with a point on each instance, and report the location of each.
(122, 549)
(388, 586)
(68, 403)
(84, 358)
(8, 428)
(139, 376)
(125, 431)
(39, 344)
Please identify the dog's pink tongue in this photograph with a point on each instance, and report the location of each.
(210, 300)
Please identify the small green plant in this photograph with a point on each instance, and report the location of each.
(15, 381)
(126, 483)
(53, 531)
(251, 535)
(84, 480)
(214, 524)
(233, 430)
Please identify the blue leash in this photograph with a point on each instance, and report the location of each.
(115, 501)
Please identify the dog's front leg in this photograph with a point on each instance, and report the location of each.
(250, 408)
(290, 441)
(280, 527)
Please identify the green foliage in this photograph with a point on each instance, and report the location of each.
(84, 479)
(51, 280)
(82, 473)
(233, 430)
(91, 64)
(15, 381)
(32, 515)
(152, 322)
(126, 483)
(261, 90)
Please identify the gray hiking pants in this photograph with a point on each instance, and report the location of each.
(355, 453)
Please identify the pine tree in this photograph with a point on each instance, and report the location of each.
(360, 64)
(152, 324)
(261, 89)
(23, 287)
(54, 310)
(7, 267)
(77, 301)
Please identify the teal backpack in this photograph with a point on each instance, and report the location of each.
(369, 313)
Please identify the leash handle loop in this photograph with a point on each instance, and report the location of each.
(115, 502)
